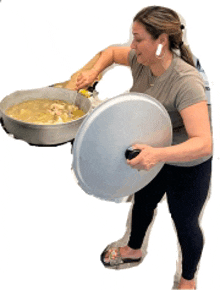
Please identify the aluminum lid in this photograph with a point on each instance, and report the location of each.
(99, 161)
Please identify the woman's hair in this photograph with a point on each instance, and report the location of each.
(158, 20)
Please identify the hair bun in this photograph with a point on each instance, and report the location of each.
(181, 44)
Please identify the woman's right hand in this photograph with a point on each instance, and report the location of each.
(86, 79)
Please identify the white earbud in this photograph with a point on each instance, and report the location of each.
(159, 49)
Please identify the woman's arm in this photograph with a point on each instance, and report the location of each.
(199, 144)
(110, 55)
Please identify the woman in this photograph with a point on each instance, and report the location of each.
(158, 71)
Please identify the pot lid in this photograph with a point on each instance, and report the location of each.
(99, 161)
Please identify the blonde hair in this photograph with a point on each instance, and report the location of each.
(158, 20)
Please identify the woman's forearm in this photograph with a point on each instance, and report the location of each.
(112, 54)
(87, 77)
(191, 149)
(105, 60)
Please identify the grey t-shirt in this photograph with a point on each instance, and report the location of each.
(179, 87)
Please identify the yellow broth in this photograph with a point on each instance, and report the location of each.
(45, 112)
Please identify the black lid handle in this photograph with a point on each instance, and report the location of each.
(131, 153)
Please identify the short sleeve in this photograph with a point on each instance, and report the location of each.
(191, 91)
(132, 58)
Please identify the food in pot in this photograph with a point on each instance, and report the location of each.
(45, 111)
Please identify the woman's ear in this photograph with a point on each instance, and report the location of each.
(163, 39)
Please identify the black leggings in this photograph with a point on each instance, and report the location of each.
(186, 189)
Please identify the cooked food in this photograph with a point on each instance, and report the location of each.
(45, 111)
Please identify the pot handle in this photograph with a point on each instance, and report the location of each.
(88, 93)
(92, 88)
(1, 121)
(131, 153)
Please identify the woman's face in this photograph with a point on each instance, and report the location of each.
(144, 45)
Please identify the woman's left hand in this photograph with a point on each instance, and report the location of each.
(146, 159)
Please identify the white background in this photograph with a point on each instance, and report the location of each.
(51, 232)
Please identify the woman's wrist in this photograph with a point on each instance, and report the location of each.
(95, 71)
(161, 154)
(174, 153)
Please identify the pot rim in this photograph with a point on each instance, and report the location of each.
(41, 126)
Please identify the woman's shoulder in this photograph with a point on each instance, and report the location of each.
(185, 76)
(189, 84)
(132, 54)
(132, 58)
(136, 67)
(183, 69)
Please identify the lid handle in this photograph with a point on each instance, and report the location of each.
(131, 153)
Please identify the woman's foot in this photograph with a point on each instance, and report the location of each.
(187, 284)
(125, 252)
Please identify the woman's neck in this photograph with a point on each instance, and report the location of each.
(161, 65)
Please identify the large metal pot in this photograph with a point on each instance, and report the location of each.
(44, 134)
